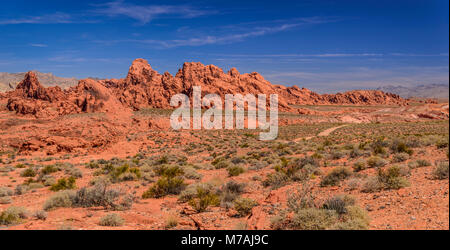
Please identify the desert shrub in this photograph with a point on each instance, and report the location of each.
(29, 172)
(5, 200)
(359, 165)
(64, 184)
(275, 180)
(191, 174)
(376, 162)
(171, 222)
(41, 215)
(400, 157)
(244, 206)
(392, 178)
(222, 164)
(339, 203)
(386, 179)
(21, 189)
(49, 169)
(74, 172)
(33, 186)
(102, 195)
(235, 170)
(237, 160)
(203, 199)
(371, 184)
(378, 146)
(356, 152)
(48, 180)
(4, 191)
(165, 186)
(13, 215)
(230, 192)
(354, 219)
(441, 171)
(336, 176)
(278, 222)
(60, 199)
(125, 173)
(234, 187)
(399, 146)
(169, 171)
(337, 154)
(191, 191)
(313, 219)
(422, 163)
(111, 220)
(302, 198)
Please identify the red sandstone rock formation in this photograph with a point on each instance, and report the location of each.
(145, 87)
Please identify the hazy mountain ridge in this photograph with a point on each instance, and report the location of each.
(9, 81)
(439, 91)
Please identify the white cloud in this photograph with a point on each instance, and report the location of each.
(146, 13)
(38, 45)
(58, 17)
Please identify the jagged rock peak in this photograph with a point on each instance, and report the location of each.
(140, 71)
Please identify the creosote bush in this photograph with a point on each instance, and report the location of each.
(244, 206)
(235, 170)
(64, 184)
(203, 199)
(336, 176)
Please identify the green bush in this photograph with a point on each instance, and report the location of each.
(359, 165)
(111, 220)
(400, 157)
(29, 172)
(203, 199)
(244, 206)
(64, 184)
(376, 162)
(165, 186)
(235, 170)
(386, 179)
(13, 215)
(336, 176)
(275, 180)
(49, 169)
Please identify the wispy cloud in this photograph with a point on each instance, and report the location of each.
(38, 45)
(250, 32)
(58, 17)
(146, 13)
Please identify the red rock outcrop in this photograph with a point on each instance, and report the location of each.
(144, 87)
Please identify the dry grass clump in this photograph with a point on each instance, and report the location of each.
(111, 220)
(441, 171)
(13, 215)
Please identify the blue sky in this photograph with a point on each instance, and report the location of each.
(326, 46)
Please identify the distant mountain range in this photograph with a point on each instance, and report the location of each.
(438, 91)
(9, 81)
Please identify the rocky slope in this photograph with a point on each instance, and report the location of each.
(144, 87)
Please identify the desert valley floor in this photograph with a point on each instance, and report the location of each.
(390, 173)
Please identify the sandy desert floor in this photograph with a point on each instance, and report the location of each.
(340, 167)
